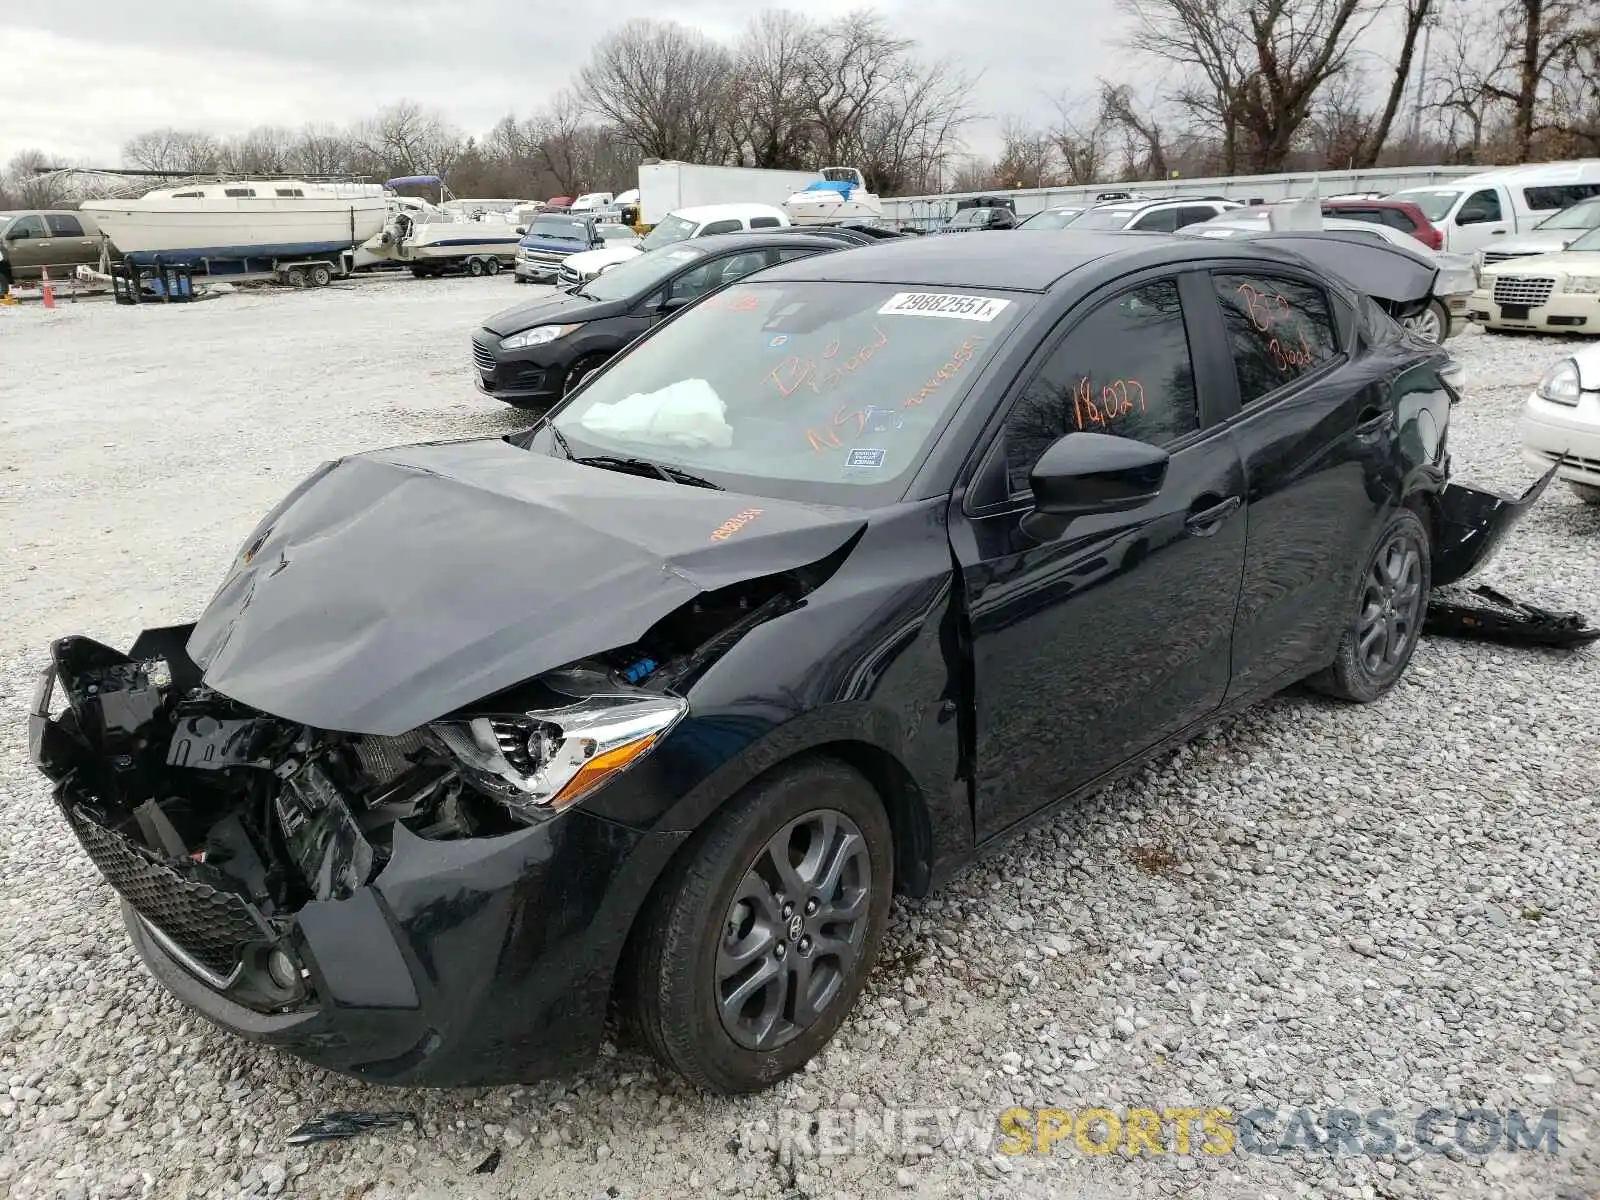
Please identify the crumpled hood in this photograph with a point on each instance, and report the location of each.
(399, 585)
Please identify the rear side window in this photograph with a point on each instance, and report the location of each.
(1560, 195)
(1194, 214)
(764, 223)
(1399, 219)
(63, 225)
(1163, 220)
(1279, 330)
(720, 227)
(1356, 214)
(1125, 370)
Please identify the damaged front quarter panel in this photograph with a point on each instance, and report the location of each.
(1473, 524)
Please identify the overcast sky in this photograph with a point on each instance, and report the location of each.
(79, 79)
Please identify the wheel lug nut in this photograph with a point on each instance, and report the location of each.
(805, 945)
(811, 907)
(781, 950)
(788, 911)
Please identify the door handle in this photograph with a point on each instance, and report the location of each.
(1208, 520)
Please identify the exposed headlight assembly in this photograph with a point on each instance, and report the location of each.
(540, 762)
(537, 336)
(1583, 284)
(1560, 384)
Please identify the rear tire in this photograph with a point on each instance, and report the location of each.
(1587, 492)
(475, 267)
(1385, 615)
(320, 276)
(492, 267)
(297, 277)
(1432, 324)
(740, 970)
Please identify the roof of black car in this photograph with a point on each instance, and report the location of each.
(1018, 260)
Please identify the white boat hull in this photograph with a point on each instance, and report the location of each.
(189, 231)
(444, 240)
(814, 208)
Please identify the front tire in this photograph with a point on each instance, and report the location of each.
(581, 370)
(763, 933)
(1385, 621)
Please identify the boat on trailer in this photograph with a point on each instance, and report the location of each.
(477, 236)
(293, 229)
(840, 195)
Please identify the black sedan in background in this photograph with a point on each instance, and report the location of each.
(534, 354)
(834, 579)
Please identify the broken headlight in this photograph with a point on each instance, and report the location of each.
(1561, 384)
(540, 762)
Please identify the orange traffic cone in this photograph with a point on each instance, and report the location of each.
(45, 290)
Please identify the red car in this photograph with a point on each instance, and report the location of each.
(1397, 214)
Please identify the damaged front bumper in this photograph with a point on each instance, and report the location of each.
(471, 952)
(1473, 524)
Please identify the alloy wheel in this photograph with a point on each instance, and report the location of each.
(794, 931)
(1390, 605)
(1425, 325)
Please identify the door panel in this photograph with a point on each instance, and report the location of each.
(1094, 640)
(1315, 493)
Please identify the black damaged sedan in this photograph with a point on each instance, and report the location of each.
(828, 583)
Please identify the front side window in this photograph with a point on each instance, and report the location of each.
(638, 275)
(673, 228)
(1162, 220)
(1480, 207)
(1050, 218)
(1101, 218)
(1124, 370)
(25, 227)
(1278, 330)
(62, 225)
(826, 392)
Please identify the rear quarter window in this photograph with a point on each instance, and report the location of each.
(1279, 330)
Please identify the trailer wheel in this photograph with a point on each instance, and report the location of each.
(418, 273)
(320, 276)
(492, 267)
(297, 277)
(474, 267)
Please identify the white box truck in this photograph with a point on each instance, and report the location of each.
(666, 186)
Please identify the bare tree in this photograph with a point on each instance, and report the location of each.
(181, 152)
(411, 140)
(321, 150)
(769, 102)
(1144, 149)
(1416, 15)
(1082, 135)
(1341, 127)
(972, 175)
(663, 86)
(1474, 60)
(1027, 156)
(1543, 34)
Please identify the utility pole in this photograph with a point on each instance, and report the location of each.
(1422, 76)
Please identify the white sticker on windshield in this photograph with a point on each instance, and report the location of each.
(943, 304)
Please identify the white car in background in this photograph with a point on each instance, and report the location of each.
(678, 226)
(1563, 417)
(1547, 293)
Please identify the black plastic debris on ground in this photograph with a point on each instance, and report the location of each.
(334, 1126)
(488, 1165)
(1487, 615)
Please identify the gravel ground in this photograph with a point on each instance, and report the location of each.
(1316, 906)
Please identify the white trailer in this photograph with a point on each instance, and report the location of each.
(666, 186)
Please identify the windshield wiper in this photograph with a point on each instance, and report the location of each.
(670, 474)
(560, 438)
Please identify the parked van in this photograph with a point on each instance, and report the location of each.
(1474, 210)
(36, 240)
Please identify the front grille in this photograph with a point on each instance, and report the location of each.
(1532, 290)
(1573, 460)
(1495, 256)
(209, 925)
(568, 275)
(483, 358)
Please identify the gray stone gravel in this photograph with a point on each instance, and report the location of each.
(1316, 906)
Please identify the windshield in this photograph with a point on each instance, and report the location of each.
(558, 229)
(1435, 206)
(1589, 241)
(1583, 215)
(800, 390)
(1050, 218)
(636, 276)
(673, 229)
(970, 216)
(1102, 218)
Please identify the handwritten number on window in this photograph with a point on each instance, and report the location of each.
(1271, 315)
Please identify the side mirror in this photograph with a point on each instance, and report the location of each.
(674, 303)
(1472, 216)
(1096, 473)
(522, 229)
